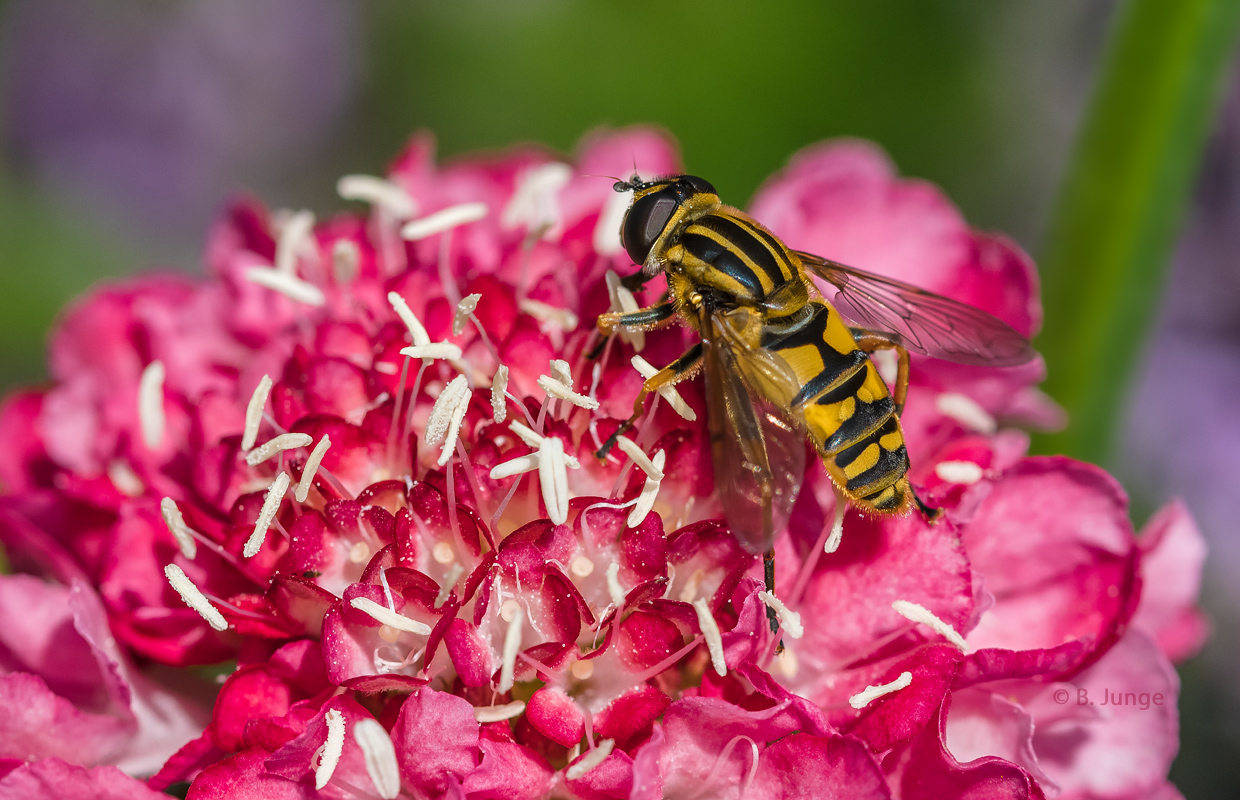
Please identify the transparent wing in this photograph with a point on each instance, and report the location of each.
(757, 451)
(921, 321)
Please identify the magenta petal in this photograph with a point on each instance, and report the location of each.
(902, 715)
(243, 777)
(470, 655)
(436, 738)
(810, 767)
(629, 715)
(508, 771)
(613, 778)
(252, 692)
(39, 724)
(1173, 555)
(55, 778)
(555, 715)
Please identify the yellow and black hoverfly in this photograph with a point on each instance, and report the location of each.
(780, 362)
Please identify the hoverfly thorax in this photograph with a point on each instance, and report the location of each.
(658, 205)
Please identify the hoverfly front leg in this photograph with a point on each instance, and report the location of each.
(684, 367)
(869, 341)
(643, 319)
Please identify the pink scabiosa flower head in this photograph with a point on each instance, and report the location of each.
(358, 458)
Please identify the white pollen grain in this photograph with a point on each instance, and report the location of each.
(668, 393)
(271, 504)
(923, 615)
(276, 445)
(380, 756)
(512, 645)
(870, 693)
(194, 598)
(965, 472)
(151, 417)
(381, 613)
(311, 469)
(294, 236)
(443, 220)
(499, 399)
(710, 630)
(333, 748)
(789, 619)
(378, 192)
(639, 457)
(553, 478)
(345, 259)
(463, 309)
(416, 331)
(579, 768)
(177, 527)
(290, 286)
(607, 230)
(440, 419)
(966, 411)
(548, 314)
(555, 389)
(444, 350)
(254, 412)
(650, 491)
(499, 713)
(613, 585)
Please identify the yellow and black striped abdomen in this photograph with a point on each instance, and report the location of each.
(845, 406)
(736, 257)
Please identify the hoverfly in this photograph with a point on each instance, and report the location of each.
(780, 362)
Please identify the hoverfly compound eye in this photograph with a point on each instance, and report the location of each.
(645, 220)
(699, 185)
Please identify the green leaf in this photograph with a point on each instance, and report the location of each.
(1121, 205)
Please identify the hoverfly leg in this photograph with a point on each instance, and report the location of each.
(643, 319)
(932, 515)
(684, 367)
(869, 341)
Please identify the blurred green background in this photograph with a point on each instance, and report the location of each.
(126, 124)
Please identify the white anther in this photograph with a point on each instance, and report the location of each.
(449, 583)
(548, 314)
(710, 630)
(923, 615)
(499, 713)
(534, 202)
(623, 302)
(463, 309)
(345, 259)
(380, 756)
(416, 331)
(966, 411)
(613, 584)
(579, 768)
(863, 698)
(312, 467)
(581, 566)
(333, 748)
(273, 447)
(553, 478)
(555, 389)
(385, 615)
(125, 479)
(525, 434)
(639, 457)
(378, 192)
(837, 524)
(294, 237)
(151, 416)
(516, 466)
(177, 527)
(562, 372)
(607, 229)
(790, 619)
(444, 350)
(499, 399)
(254, 412)
(668, 393)
(456, 393)
(512, 645)
(650, 491)
(290, 286)
(443, 220)
(271, 504)
(965, 472)
(454, 431)
(194, 598)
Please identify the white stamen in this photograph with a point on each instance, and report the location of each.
(312, 467)
(553, 478)
(581, 566)
(923, 615)
(862, 698)
(623, 302)
(517, 466)
(525, 434)
(454, 394)
(650, 491)
(965, 472)
(290, 286)
(790, 619)
(333, 748)
(125, 479)
(578, 769)
(554, 388)
(639, 457)
(463, 309)
(534, 202)
(668, 393)
(613, 584)
(345, 260)
(454, 431)
(607, 230)
(689, 592)
(562, 372)
(294, 236)
(387, 368)
(966, 411)
(443, 220)
(254, 412)
(177, 527)
(499, 713)
(416, 331)
(499, 400)
(710, 630)
(273, 447)
(837, 524)
(547, 314)
(378, 192)
(387, 616)
(271, 504)
(380, 756)
(449, 583)
(445, 350)
(194, 598)
(512, 644)
(151, 404)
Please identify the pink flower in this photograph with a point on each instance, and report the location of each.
(358, 458)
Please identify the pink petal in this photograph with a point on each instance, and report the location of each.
(436, 738)
(556, 715)
(805, 766)
(54, 778)
(508, 771)
(1173, 555)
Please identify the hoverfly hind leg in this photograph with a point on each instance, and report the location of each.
(932, 515)
(680, 369)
